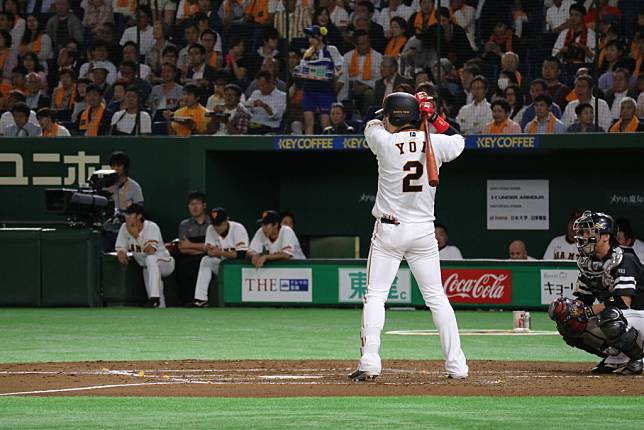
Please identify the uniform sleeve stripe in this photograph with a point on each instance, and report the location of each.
(624, 286)
(625, 279)
(582, 293)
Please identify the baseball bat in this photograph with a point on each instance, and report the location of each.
(432, 169)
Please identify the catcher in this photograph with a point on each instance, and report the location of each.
(613, 276)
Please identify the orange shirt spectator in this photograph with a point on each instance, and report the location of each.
(501, 123)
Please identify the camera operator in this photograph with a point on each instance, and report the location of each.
(231, 118)
(124, 193)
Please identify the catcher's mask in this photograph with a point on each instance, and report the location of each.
(588, 229)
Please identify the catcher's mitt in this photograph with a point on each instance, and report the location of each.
(570, 312)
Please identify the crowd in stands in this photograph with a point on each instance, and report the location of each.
(217, 67)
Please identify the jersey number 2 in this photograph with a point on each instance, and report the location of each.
(416, 171)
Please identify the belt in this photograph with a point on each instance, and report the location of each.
(389, 221)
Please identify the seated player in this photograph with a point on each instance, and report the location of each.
(143, 239)
(225, 240)
(564, 247)
(607, 318)
(445, 251)
(518, 251)
(274, 241)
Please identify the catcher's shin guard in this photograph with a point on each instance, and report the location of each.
(619, 334)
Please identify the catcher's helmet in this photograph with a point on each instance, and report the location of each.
(402, 108)
(589, 227)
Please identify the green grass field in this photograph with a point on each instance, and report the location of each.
(33, 335)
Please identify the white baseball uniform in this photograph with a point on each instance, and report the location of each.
(156, 265)
(407, 201)
(235, 240)
(560, 249)
(286, 242)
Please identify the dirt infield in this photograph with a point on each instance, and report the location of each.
(306, 378)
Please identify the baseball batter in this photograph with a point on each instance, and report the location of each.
(225, 239)
(404, 228)
(608, 317)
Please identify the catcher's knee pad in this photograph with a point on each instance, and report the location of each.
(618, 333)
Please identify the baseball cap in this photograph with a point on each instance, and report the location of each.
(218, 215)
(270, 217)
(133, 209)
(316, 30)
(100, 65)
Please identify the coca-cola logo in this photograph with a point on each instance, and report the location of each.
(477, 286)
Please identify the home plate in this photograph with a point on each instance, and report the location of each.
(477, 332)
(290, 376)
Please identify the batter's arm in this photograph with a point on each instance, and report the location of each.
(376, 135)
(447, 148)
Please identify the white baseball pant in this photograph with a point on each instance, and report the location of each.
(417, 244)
(207, 267)
(635, 319)
(153, 272)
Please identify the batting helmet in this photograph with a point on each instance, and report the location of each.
(402, 108)
(589, 227)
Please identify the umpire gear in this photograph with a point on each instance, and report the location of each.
(402, 108)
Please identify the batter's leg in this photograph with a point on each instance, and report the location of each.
(425, 266)
(207, 267)
(382, 267)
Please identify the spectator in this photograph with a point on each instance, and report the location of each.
(45, 8)
(80, 104)
(191, 245)
(628, 121)
(577, 43)
(154, 57)
(21, 127)
(191, 36)
(64, 26)
(237, 63)
(423, 18)
(268, 49)
(362, 22)
(501, 123)
(318, 91)
(463, 15)
(396, 8)
(619, 91)
(262, 12)
(296, 19)
(16, 25)
(364, 66)
(288, 219)
(550, 72)
(454, 44)
(99, 73)
(6, 119)
(557, 17)
(130, 56)
(191, 118)
(585, 120)
(398, 39)
(99, 55)
(448, 84)
(31, 63)
(232, 11)
(124, 11)
(225, 240)
(518, 251)
(49, 127)
(613, 58)
(272, 66)
(338, 15)
(231, 118)
(627, 237)
(217, 97)
(8, 57)
(64, 96)
(564, 247)
(34, 98)
(338, 123)
(167, 94)
(390, 79)
(273, 241)
(267, 105)
(127, 73)
(544, 121)
(213, 56)
(467, 75)
(145, 36)
(504, 79)
(212, 19)
(538, 87)
(143, 239)
(514, 96)
(445, 251)
(95, 119)
(605, 11)
(131, 120)
(118, 95)
(474, 116)
(36, 40)
(501, 41)
(583, 90)
(97, 13)
(510, 63)
(200, 73)
(187, 9)
(321, 18)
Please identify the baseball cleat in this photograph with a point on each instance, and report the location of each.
(603, 368)
(199, 304)
(362, 375)
(153, 302)
(456, 376)
(634, 367)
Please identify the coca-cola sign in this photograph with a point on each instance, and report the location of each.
(477, 286)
